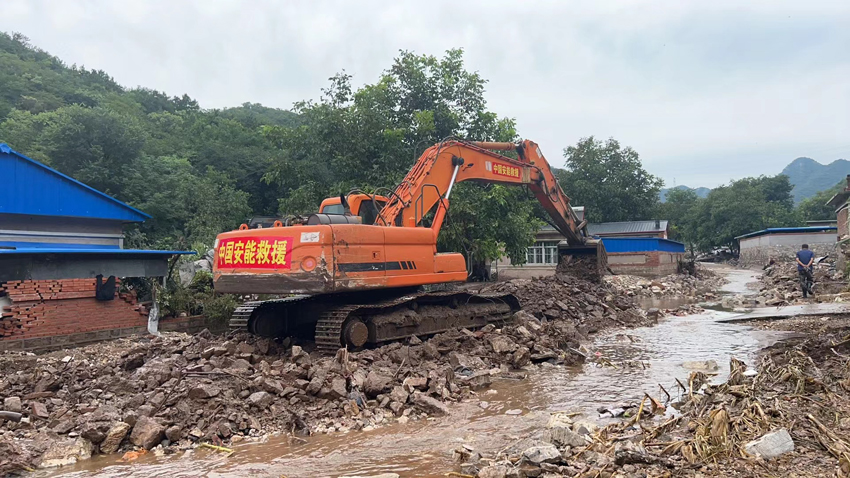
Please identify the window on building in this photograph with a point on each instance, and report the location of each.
(542, 253)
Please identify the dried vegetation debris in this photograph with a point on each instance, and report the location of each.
(790, 418)
(178, 390)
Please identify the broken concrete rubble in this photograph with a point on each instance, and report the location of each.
(179, 389)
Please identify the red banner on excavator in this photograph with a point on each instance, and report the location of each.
(506, 170)
(255, 253)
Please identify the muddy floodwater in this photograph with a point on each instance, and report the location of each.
(622, 366)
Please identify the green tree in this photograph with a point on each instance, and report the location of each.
(370, 137)
(744, 206)
(815, 207)
(609, 181)
(680, 209)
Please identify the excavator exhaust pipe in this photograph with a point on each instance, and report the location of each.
(587, 261)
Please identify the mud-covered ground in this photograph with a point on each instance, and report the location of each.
(177, 391)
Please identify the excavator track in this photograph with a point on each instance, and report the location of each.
(333, 323)
(329, 328)
(239, 319)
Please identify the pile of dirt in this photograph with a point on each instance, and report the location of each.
(697, 287)
(178, 390)
(589, 306)
(790, 417)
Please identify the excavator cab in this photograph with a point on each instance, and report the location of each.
(367, 206)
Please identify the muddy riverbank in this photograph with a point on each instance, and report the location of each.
(622, 365)
(169, 394)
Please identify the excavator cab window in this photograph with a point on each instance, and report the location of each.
(333, 209)
(369, 210)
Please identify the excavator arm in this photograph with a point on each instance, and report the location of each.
(429, 183)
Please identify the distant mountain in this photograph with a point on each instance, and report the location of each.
(701, 192)
(810, 177)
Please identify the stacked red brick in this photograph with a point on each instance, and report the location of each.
(59, 307)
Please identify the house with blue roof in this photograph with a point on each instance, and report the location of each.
(759, 247)
(55, 227)
(633, 247)
(61, 257)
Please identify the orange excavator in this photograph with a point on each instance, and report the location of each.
(354, 273)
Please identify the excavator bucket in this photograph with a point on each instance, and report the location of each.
(587, 261)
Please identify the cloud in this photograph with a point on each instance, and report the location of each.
(705, 92)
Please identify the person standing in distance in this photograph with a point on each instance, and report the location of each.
(805, 259)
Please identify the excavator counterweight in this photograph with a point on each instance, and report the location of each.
(355, 270)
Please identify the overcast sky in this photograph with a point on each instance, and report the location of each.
(704, 91)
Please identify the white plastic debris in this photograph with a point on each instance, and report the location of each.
(771, 445)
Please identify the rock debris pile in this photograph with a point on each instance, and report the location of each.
(177, 390)
(779, 285)
(696, 288)
(590, 307)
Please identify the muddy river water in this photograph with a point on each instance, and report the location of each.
(643, 360)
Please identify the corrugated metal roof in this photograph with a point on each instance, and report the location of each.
(627, 227)
(32, 188)
(789, 230)
(641, 244)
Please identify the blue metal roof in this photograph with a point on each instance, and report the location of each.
(641, 244)
(789, 230)
(89, 250)
(32, 188)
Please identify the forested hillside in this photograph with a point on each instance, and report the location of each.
(196, 171)
(199, 172)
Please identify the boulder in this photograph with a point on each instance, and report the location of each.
(522, 357)
(563, 436)
(203, 391)
(429, 404)
(272, 386)
(114, 437)
(501, 344)
(66, 452)
(240, 364)
(95, 432)
(412, 383)
(477, 380)
(338, 388)
(147, 433)
(399, 394)
(261, 400)
(173, 433)
(12, 404)
(376, 383)
(188, 270)
(542, 454)
(317, 381)
(493, 471)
